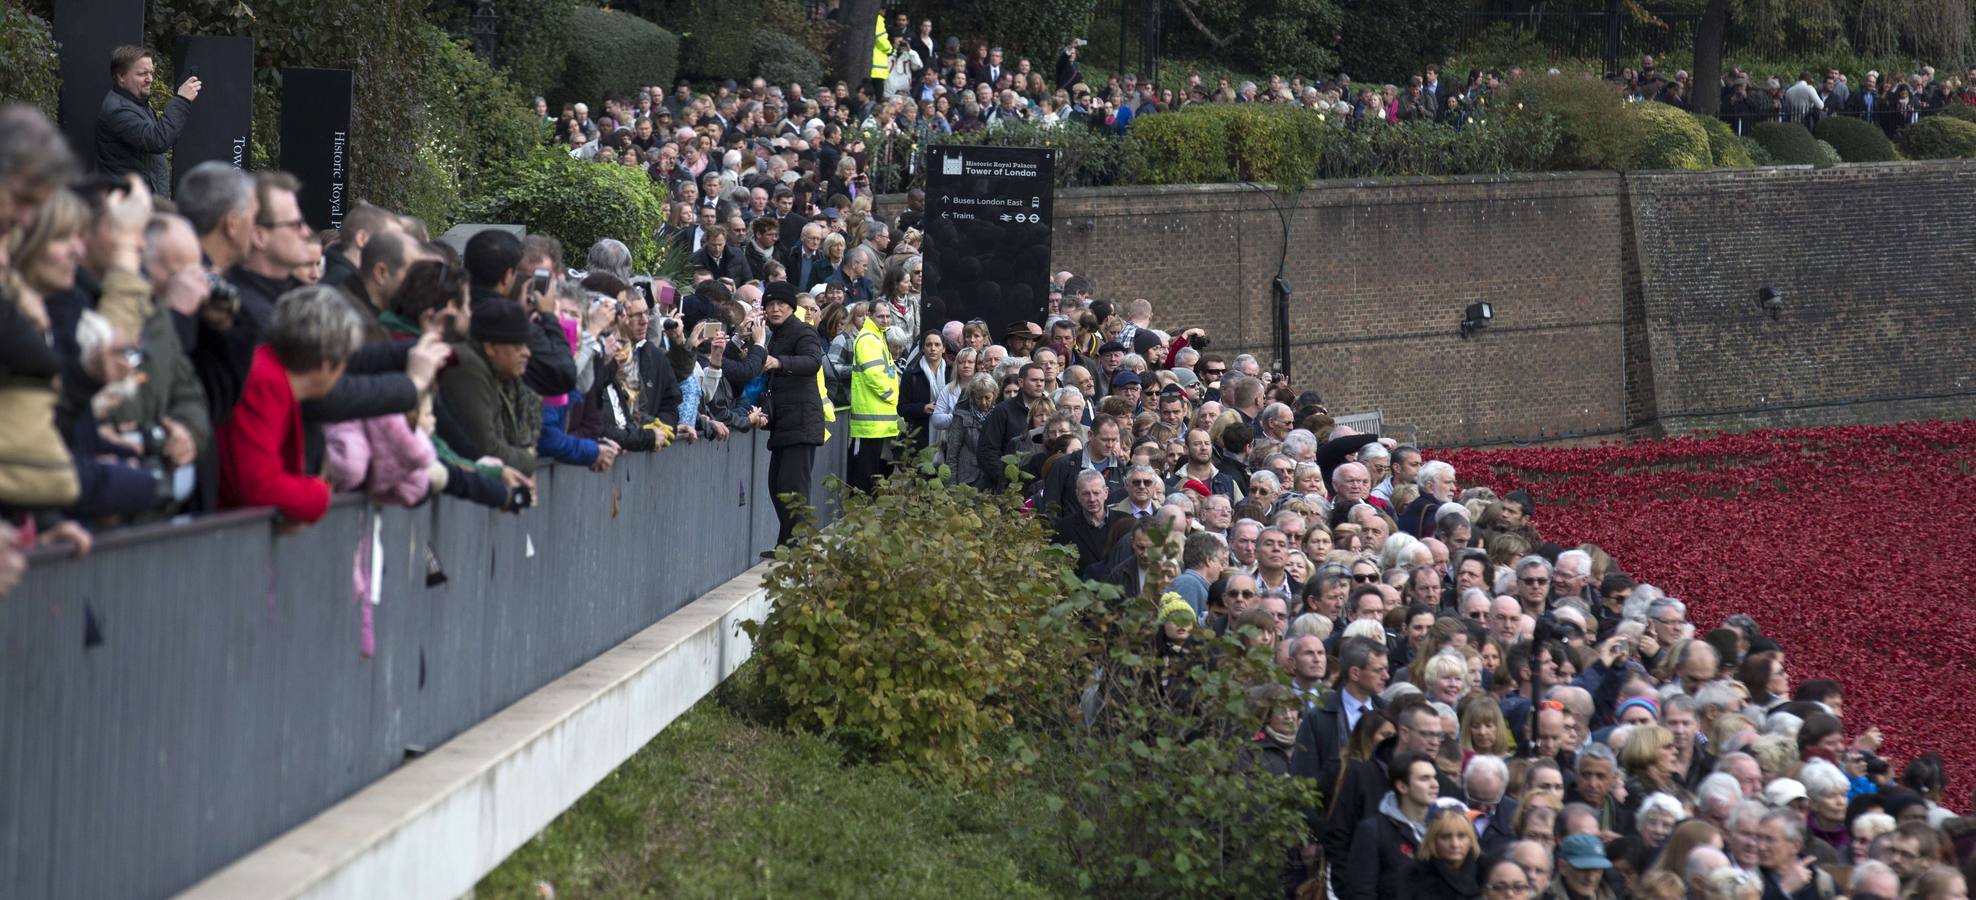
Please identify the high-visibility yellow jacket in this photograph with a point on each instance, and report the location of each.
(829, 409)
(874, 385)
(881, 52)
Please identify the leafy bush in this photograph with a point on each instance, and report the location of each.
(906, 651)
(1725, 149)
(1759, 154)
(619, 54)
(782, 60)
(1790, 144)
(1595, 131)
(1856, 140)
(576, 201)
(534, 40)
(1183, 147)
(1668, 139)
(1151, 779)
(1963, 111)
(1273, 144)
(30, 72)
(1939, 137)
(1827, 154)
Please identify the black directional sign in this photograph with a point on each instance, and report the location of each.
(987, 249)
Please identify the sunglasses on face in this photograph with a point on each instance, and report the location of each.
(1533, 582)
(1365, 579)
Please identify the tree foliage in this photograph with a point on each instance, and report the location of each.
(1940, 137)
(30, 72)
(1279, 36)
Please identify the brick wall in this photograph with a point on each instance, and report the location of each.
(1621, 302)
(1874, 263)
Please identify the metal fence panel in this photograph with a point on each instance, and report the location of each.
(186, 694)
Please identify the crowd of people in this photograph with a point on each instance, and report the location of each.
(1484, 712)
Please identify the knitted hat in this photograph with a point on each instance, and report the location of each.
(779, 292)
(1176, 611)
(1648, 703)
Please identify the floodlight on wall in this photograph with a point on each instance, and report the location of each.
(1477, 317)
(1770, 299)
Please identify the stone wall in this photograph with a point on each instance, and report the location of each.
(1622, 303)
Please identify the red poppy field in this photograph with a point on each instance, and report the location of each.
(1853, 547)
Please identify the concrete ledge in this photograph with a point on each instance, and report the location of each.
(434, 827)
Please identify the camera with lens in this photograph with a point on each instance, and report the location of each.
(520, 497)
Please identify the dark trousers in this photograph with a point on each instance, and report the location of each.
(867, 461)
(789, 473)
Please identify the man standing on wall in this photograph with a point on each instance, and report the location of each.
(795, 422)
(130, 136)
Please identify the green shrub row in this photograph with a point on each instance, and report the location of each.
(1940, 137)
(1856, 140)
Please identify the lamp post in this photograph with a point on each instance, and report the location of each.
(484, 29)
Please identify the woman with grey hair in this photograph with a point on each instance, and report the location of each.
(309, 340)
(612, 256)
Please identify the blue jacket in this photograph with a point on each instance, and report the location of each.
(555, 441)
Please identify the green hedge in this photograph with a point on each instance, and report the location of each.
(1939, 137)
(1184, 147)
(782, 60)
(1668, 139)
(578, 202)
(1595, 131)
(617, 54)
(1856, 140)
(1963, 111)
(1725, 149)
(30, 72)
(1789, 143)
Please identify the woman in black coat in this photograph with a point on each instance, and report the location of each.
(924, 380)
(1445, 867)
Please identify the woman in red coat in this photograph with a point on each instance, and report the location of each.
(311, 336)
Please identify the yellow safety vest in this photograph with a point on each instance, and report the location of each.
(829, 409)
(881, 51)
(874, 385)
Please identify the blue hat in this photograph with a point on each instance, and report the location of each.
(1125, 377)
(1583, 851)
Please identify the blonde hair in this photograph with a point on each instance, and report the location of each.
(833, 247)
(1440, 823)
(1642, 746)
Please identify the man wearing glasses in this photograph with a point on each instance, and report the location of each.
(1533, 584)
(1142, 493)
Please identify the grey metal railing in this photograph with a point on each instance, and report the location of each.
(188, 692)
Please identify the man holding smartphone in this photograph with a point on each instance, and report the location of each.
(130, 136)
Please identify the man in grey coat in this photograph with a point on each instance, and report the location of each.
(130, 136)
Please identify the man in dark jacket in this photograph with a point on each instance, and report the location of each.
(794, 400)
(1365, 783)
(1007, 425)
(130, 136)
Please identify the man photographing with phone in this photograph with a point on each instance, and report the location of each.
(130, 136)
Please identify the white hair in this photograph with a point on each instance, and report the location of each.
(1299, 443)
(1718, 788)
(1783, 723)
(1451, 508)
(1485, 764)
(1265, 477)
(1391, 555)
(1367, 628)
(1583, 559)
(1374, 450)
(1659, 802)
(1432, 471)
(1820, 778)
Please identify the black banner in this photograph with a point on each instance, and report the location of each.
(315, 140)
(987, 224)
(224, 113)
(87, 31)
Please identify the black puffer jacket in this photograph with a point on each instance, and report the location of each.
(795, 406)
